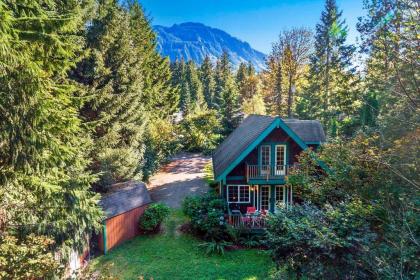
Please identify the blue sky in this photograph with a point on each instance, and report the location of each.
(256, 21)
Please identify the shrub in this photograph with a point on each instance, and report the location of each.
(30, 258)
(319, 243)
(153, 217)
(207, 214)
(215, 247)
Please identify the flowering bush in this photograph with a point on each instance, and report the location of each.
(207, 214)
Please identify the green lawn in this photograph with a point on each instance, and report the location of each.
(177, 256)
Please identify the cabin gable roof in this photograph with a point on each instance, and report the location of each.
(252, 131)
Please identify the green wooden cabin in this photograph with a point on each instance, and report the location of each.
(251, 165)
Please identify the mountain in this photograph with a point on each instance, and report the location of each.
(195, 41)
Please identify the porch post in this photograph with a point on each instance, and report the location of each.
(291, 196)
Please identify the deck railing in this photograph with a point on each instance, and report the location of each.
(251, 221)
(267, 172)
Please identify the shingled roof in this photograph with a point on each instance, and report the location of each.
(125, 197)
(308, 131)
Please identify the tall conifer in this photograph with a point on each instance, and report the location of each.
(331, 76)
(44, 185)
(207, 81)
(114, 78)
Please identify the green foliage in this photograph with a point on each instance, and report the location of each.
(227, 96)
(30, 258)
(361, 170)
(207, 80)
(153, 216)
(332, 90)
(322, 243)
(254, 105)
(44, 185)
(200, 130)
(159, 97)
(113, 76)
(215, 247)
(161, 141)
(207, 214)
(287, 66)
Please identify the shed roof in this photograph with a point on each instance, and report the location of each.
(125, 197)
(307, 131)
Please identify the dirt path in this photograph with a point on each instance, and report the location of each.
(183, 176)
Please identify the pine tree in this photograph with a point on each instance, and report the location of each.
(241, 80)
(113, 75)
(390, 41)
(194, 84)
(44, 185)
(207, 81)
(331, 73)
(223, 72)
(159, 97)
(230, 108)
(179, 79)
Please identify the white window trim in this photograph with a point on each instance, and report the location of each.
(269, 154)
(269, 196)
(283, 168)
(238, 187)
(287, 193)
(283, 199)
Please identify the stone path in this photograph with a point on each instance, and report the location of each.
(181, 177)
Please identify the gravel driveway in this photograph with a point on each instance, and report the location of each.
(181, 177)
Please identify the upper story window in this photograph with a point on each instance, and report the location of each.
(280, 168)
(265, 154)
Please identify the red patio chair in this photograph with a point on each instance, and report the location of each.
(250, 210)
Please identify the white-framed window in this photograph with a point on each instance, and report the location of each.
(280, 159)
(283, 196)
(265, 197)
(239, 194)
(280, 193)
(265, 159)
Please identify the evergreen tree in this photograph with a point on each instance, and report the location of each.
(223, 73)
(248, 84)
(159, 97)
(44, 185)
(207, 81)
(194, 84)
(113, 75)
(179, 79)
(331, 79)
(226, 95)
(241, 76)
(390, 41)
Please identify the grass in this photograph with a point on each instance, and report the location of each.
(172, 255)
